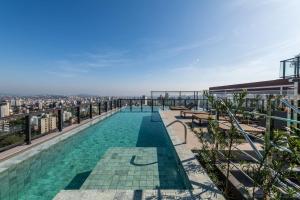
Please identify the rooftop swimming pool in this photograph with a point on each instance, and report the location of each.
(129, 150)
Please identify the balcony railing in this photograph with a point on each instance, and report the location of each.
(21, 129)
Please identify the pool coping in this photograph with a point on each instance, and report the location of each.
(195, 173)
(24, 154)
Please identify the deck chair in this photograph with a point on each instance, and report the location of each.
(187, 107)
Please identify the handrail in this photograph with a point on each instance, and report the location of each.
(273, 117)
(294, 108)
(185, 128)
(245, 174)
(246, 136)
(244, 133)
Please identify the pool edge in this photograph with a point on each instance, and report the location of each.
(195, 173)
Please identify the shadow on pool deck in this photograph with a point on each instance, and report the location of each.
(77, 181)
(153, 134)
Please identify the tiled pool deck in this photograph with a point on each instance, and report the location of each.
(202, 186)
(133, 168)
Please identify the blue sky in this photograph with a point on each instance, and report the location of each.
(131, 47)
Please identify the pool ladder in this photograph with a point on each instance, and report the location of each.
(185, 128)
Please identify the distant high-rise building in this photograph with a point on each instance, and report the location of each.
(52, 123)
(44, 125)
(47, 124)
(40, 105)
(4, 109)
(15, 102)
(167, 95)
(4, 126)
(144, 101)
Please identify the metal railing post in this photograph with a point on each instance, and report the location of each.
(163, 102)
(195, 99)
(298, 65)
(106, 106)
(283, 73)
(99, 108)
(60, 119)
(130, 102)
(27, 129)
(151, 105)
(141, 105)
(269, 125)
(78, 114)
(91, 110)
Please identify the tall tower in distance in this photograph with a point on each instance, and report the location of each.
(4, 109)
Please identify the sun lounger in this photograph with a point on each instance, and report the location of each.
(183, 113)
(201, 117)
(205, 117)
(225, 125)
(188, 107)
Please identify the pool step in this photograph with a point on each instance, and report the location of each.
(135, 168)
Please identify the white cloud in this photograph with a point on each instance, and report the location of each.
(80, 64)
(257, 65)
(158, 51)
(61, 74)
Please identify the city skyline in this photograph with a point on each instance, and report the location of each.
(129, 48)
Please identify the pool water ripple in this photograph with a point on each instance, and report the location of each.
(67, 164)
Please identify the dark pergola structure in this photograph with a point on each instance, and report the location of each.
(278, 86)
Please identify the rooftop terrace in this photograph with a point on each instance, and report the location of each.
(207, 167)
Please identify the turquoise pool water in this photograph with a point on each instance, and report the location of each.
(68, 164)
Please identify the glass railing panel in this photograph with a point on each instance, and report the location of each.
(95, 109)
(44, 123)
(12, 132)
(84, 111)
(102, 108)
(290, 67)
(69, 116)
